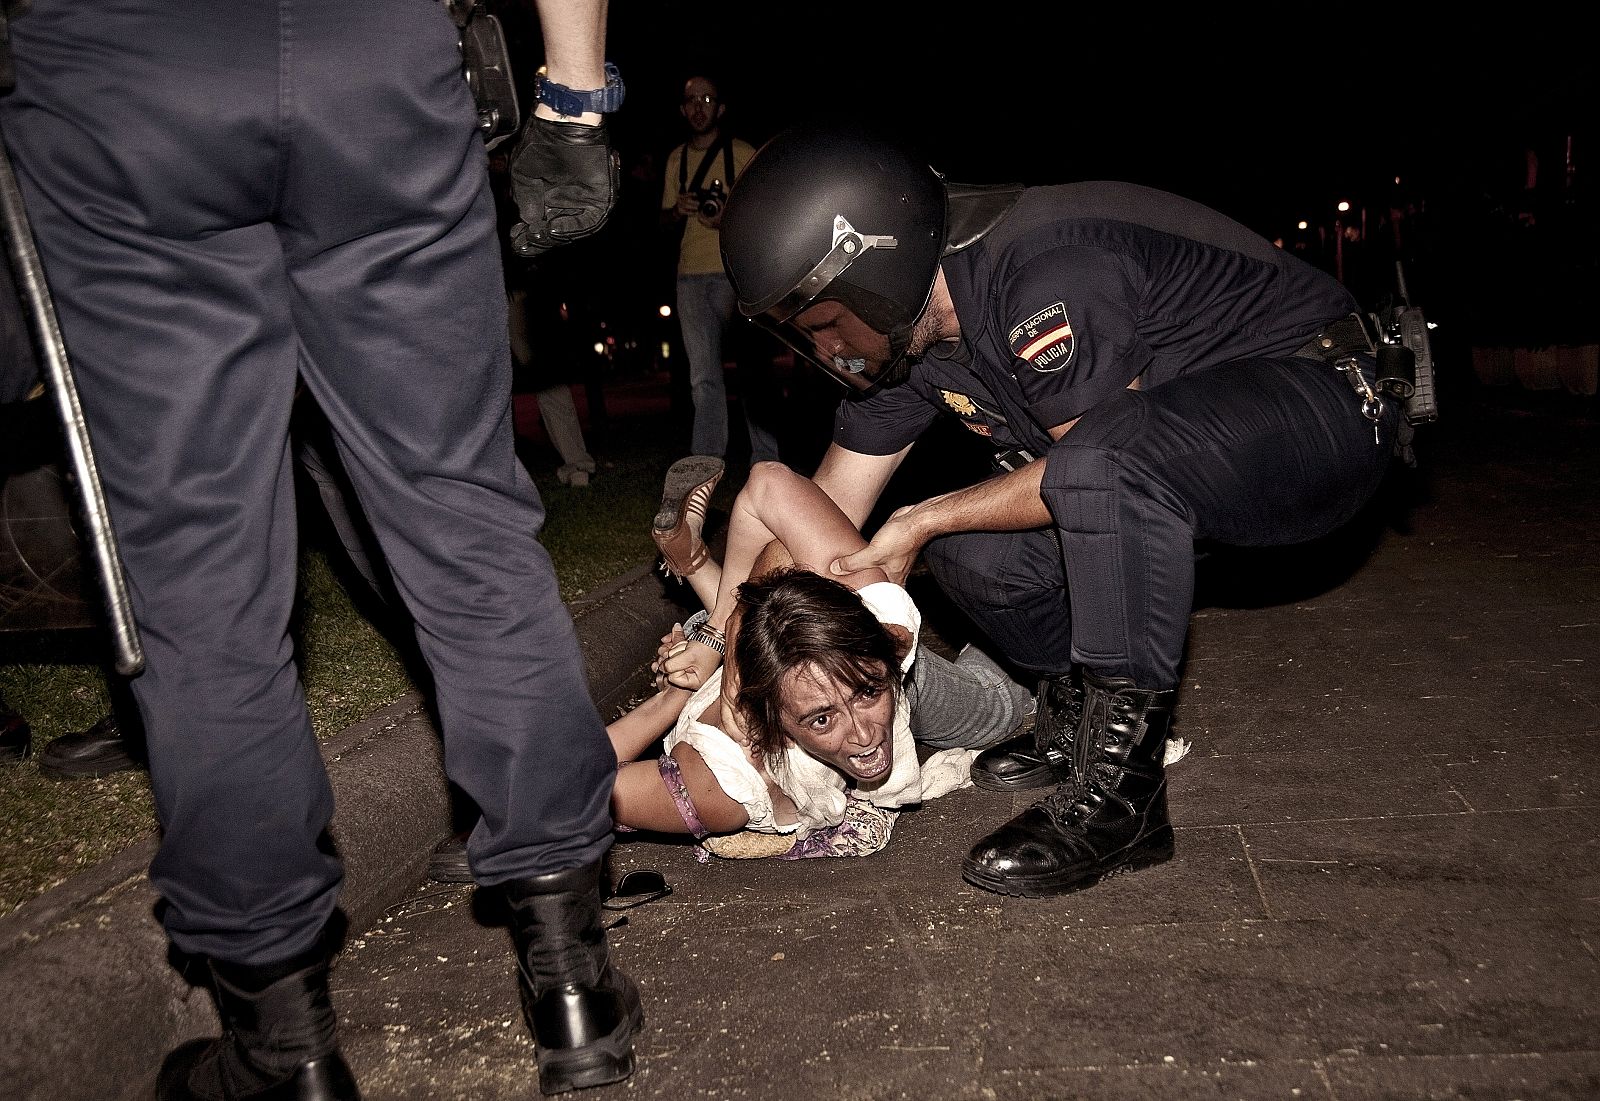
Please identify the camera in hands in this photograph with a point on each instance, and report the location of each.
(711, 199)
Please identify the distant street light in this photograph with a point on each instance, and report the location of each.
(1338, 242)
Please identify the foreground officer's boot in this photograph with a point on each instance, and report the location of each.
(1041, 757)
(582, 1011)
(278, 1041)
(1113, 818)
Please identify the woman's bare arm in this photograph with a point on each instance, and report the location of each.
(635, 731)
(640, 798)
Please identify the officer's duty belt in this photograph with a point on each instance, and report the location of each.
(1338, 345)
(1338, 340)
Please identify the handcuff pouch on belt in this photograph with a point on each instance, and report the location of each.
(1341, 345)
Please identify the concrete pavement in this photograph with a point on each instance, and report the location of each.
(1385, 883)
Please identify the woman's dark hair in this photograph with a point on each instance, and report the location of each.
(792, 618)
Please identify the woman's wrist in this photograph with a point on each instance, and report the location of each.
(707, 635)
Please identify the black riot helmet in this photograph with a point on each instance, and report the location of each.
(824, 214)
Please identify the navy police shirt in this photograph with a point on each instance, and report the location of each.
(1081, 289)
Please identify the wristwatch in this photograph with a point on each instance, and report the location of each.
(570, 103)
(696, 629)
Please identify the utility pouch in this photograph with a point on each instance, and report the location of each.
(1397, 370)
(486, 62)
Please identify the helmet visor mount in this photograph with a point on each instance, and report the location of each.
(777, 314)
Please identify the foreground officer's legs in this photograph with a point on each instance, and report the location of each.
(1257, 454)
(209, 227)
(148, 177)
(416, 382)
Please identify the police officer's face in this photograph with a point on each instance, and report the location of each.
(846, 346)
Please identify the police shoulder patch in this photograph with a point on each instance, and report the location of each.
(1045, 339)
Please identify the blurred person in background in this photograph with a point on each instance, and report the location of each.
(698, 177)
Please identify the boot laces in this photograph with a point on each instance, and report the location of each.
(556, 965)
(561, 943)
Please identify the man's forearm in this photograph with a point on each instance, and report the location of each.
(1009, 502)
(574, 33)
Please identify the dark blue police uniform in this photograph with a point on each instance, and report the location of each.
(227, 194)
(1241, 432)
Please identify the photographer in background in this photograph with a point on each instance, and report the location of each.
(699, 173)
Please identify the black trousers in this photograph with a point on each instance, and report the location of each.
(228, 194)
(1264, 452)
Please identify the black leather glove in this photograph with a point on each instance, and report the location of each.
(564, 180)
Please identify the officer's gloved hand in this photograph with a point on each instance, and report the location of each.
(564, 179)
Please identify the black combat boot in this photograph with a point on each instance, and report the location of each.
(1041, 757)
(278, 1040)
(583, 1012)
(1112, 818)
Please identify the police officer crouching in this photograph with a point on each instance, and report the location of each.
(1148, 372)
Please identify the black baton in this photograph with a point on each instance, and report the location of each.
(127, 653)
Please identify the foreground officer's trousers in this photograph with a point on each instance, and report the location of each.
(228, 195)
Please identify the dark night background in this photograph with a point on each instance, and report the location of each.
(1270, 117)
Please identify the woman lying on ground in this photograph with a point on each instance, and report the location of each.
(800, 744)
(968, 703)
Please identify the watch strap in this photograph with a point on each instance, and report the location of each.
(571, 103)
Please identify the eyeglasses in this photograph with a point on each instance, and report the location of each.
(690, 101)
(637, 888)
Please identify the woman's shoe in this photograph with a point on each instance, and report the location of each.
(685, 496)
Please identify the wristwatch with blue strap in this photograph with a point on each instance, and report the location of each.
(570, 103)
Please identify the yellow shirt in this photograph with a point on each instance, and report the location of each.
(701, 250)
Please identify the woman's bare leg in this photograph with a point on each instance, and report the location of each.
(777, 503)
